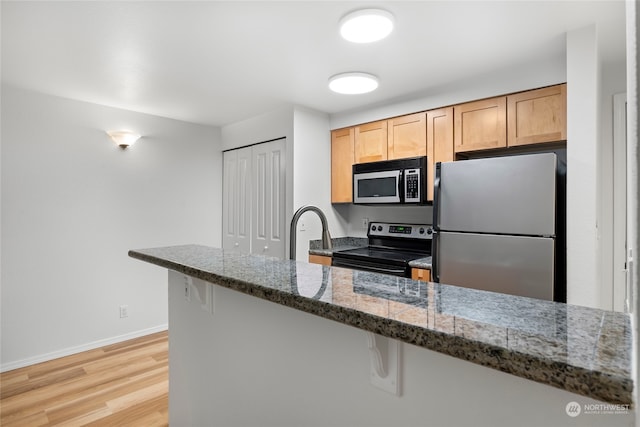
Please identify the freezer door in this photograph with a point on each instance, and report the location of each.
(513, 265)
(501, 195)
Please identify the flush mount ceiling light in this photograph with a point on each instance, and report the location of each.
(353, 83)
(366, 25)
(123, 138)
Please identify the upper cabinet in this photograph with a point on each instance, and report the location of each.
(342, 143)
(371, 142)
(525, 118)
(407, 136)
(439, 142)
(480, 125)
(537, 116)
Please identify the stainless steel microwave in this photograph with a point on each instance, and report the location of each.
(400, 181)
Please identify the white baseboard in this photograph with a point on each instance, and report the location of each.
(4, 367)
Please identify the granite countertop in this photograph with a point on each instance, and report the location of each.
(421, 263)
(578, 349)
(338, 243)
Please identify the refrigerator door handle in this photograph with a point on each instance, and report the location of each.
(435, 259)
(436, 200)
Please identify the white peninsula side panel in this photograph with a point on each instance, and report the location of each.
(236, 360)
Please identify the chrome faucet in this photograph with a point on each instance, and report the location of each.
(326, 237)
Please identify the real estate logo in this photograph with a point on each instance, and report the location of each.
(573, 409)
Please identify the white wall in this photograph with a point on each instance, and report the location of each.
(583, 114)
(633, 182)
(73, 204)
(613, 82)
(312, 178)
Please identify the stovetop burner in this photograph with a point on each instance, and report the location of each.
(391, 248)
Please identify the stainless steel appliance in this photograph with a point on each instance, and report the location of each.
(499, 225)
(391, 248)
(390, 181)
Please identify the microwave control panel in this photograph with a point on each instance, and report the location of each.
(412, 186)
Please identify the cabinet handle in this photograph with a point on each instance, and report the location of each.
(266, 248)
(236, 244)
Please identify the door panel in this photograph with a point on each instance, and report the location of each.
(502, 195)
(510, 264)
(236, 205)
(269, 199)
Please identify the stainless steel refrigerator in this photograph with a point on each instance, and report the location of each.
(499, 224)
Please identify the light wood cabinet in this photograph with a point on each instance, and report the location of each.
(371, 142)
(320, 259)
(406, 136)
(537, 116)
(342, 145)
(421, 274)
(439, 142)
(480, 125)
(531, 117)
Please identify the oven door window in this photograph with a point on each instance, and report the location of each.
(377, 187)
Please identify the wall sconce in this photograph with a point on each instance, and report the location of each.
(123, 138)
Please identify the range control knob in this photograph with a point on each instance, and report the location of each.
(421, 231)
(379, 228)
(373, 228)
(430, 231)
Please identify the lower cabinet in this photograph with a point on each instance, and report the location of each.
(421, 274)
(320, 259)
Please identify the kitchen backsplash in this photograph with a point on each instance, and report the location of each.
(401, 214)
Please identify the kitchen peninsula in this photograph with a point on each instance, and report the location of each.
(250, 344)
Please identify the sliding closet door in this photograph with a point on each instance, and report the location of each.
(269, 221)
(236, 204)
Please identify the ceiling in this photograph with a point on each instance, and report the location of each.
(215, 62)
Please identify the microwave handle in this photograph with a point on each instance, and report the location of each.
(401, 185)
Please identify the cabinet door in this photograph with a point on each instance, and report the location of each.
(269, 231)
(407, 136)
(439, 142)
(537, 116)
(320, 259)
(371, 142)
(342, 141)
(236, 214)
(421, 274)
(481, 125)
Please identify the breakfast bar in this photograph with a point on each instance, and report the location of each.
(248, 330)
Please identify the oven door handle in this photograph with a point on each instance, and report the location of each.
(399, 271)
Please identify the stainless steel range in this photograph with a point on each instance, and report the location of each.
(391, 248)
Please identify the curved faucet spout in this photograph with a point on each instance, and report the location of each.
(326, 237)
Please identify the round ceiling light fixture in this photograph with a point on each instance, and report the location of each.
(353, 83)
(366, 25)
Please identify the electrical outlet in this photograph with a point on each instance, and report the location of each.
(124, 311)
(365, 223)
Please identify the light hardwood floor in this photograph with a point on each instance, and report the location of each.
(117, 385)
